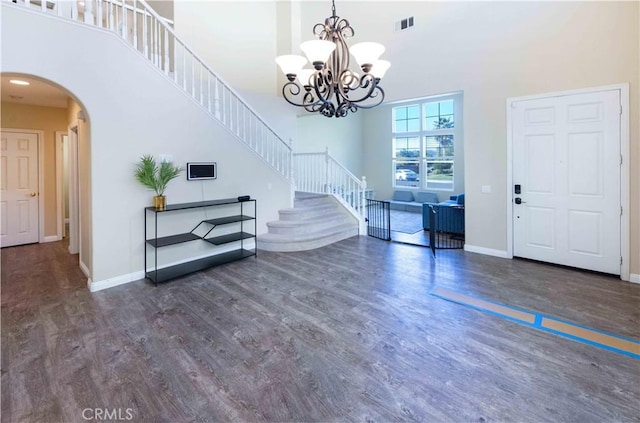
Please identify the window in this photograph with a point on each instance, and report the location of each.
(425, 138)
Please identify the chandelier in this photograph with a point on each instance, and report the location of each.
(330, 87)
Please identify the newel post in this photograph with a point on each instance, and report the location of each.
(362, 194)
(326, 171)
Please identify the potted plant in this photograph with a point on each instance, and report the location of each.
(156, 177)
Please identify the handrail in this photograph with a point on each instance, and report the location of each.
(150, 35)
(322, 173)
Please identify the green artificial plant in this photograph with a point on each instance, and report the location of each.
(155, 177)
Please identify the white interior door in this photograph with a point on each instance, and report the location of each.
(18, 189)
(566, 160)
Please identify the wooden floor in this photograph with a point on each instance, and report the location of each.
(348, 332)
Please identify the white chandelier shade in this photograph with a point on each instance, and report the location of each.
(330, 87)
(379, 68)
(317, 51)
(291, 64)
(366, 53)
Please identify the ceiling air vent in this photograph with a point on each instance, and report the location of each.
(404, 24)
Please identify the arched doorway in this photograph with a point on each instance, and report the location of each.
(57, 124)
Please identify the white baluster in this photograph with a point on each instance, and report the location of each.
(201, 83)
(216, 99)
(59, 8)
(88, 11)
(74, 10)
(209, 91)
(135, 24)
(156, 47)
(175, 61)
(145, 36)
(125, 31)
(184, 67)
(43, 5)
(167, 63)
(99, 17)
(326, 159)
(193, 75)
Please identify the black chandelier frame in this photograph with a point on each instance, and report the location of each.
(333, 89)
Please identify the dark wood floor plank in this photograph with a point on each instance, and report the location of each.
(348, 332)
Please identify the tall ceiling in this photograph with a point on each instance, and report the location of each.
(37, 93)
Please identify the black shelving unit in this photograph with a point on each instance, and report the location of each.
(243, 215)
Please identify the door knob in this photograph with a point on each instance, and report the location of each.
(519, 200)
(33, 194)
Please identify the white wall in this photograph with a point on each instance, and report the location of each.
(343, 136)
(237, 40)
(133, 109)
(493, 51)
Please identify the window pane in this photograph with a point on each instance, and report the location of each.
(408, 147)
(446, 107)
(406, 118)
(431, 123)
(439, 147)
(407, 174)
(431, 109)
(413, 125)
(439, 115)
(439, 175)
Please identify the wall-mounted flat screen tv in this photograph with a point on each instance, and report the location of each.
(201, 170)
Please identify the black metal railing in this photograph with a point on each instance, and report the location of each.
(446, 227)
(379, 219)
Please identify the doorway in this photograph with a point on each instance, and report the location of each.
(20, 187)
(567, 185)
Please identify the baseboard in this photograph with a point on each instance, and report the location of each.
(118, 280)
(634, 278)
(84, 269)
(486, 251)
(51, 238)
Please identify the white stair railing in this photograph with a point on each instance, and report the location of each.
(151, 35)
(321, 173)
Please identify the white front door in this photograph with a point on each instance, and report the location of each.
(18, 189)
(566, 162)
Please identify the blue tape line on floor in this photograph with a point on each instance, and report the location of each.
(538, 321)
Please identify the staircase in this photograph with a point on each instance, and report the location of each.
(315, 220)
(331, 206)
(140, 27)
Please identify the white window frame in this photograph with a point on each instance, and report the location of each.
(422, 160)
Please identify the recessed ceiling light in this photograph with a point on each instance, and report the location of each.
(18, 82)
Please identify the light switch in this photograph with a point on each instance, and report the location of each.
(486, 189)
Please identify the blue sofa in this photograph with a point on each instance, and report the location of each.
(405, 200)
(449, 215)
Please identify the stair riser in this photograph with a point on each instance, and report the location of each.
(305, 245)
(306, 227)
(313, 202)
(296, 215)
